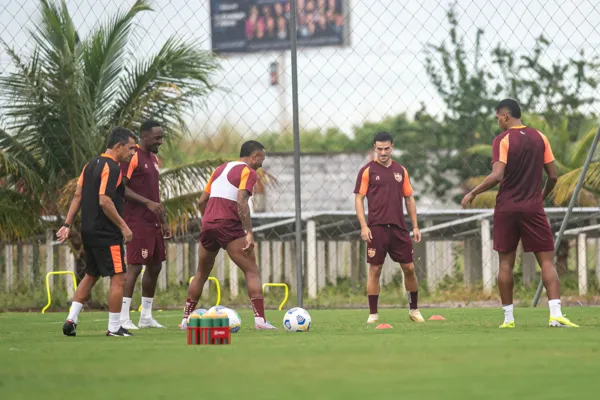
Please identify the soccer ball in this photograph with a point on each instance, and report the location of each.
(235, 321)
(296, 320)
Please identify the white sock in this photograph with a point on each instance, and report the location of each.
(259, 320)
(146, 308)
(125, 309)
(74, 311)
(555, 311)
(508, 313)
(114, 322)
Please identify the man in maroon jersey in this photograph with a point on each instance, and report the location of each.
(145, 216)
(226, 224)
(386, 184)
(520, 154)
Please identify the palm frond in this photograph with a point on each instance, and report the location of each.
(485, 200)
(19, 215)
(582, 147)
(473, 182)
(187, 178)
(480, 149)
(181, 209)
(563, 191)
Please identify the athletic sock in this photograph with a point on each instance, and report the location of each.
(413, 300)
(74, 311)
(508, 313)
(125, 309)
(190, 306)
(114, 321)
(373, 300)
(147, 308)
(258, 305)
(555, 311)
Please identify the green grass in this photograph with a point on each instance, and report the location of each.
(464, 357)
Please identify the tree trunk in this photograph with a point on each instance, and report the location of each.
(562, 258)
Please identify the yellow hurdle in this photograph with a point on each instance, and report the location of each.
(48, 285)
(283, 285)
(216, 281)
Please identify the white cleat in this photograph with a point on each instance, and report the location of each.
(264, 326)
(183, 324)
(149, 323)
(415, 315)
(373, 318)
(129, 325)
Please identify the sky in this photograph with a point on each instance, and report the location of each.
(380, 73)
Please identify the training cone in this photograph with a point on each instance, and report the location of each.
(437, 318)
(384, 326)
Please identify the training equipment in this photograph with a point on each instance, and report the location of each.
(48, 275)
(297, 320)
(283, 285)
(235, 321)
(210, 328)
(437, 318)
(217, 285)
(199, 312)
(383, 326)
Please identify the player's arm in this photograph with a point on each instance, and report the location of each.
(127, 170)
(108, 188)
(247, 182)
(494, 178)
(360, 192)
(550, 168)
(63, 232)
(499, 160)
(411, 206)
(205, 195)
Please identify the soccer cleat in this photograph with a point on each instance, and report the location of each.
(264, 326)
(561, 322)
(129, 325)
(373, 318)
(121, 332)
(507, 325)
(69, 328)
(149, 323)
(183, 324)
(415, 315)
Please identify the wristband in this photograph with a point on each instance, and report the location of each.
(67, 225)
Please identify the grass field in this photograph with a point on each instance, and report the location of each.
(464, 357)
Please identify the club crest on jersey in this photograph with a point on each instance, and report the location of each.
(398, 176)
(144, 253)
(371, 252)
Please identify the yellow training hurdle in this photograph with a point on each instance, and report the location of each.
(283, 285)
(48, 285)
(217, 284)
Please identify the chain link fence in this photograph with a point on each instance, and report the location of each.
(219, 73)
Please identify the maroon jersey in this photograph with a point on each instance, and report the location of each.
(142, 174)
(223, 187)
(385, 189)
(525, 151)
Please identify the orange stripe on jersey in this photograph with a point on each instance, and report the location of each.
(244, 178)
(104, 179)
(120, 179)
(504, 149)
(548, 155)
(80, 180)
(364, 182)
(209, 183)
(133, 164)
(115, 252)
(407, 189)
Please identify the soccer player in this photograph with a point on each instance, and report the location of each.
(385, 184)
(100, 193)
(519, 156)
(226, 224)
(144, 214)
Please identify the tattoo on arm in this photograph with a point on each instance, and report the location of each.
(244, 210)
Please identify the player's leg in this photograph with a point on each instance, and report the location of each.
(507, 234)
(537, 238)
(156, 256)
(206, 260)
(376, 253)
(114, 267)
(82, 293)
(401, 251)
(247, 263)
(137, 256)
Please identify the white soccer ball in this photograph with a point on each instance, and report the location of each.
(235, 321)
(297, 320)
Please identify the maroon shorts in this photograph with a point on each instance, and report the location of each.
(218, 237)
(531, 228)
(147, 246)
(392, 240)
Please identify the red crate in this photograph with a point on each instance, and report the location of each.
(215, 335)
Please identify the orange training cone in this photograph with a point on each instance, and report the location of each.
(384, 326)
(437, 318)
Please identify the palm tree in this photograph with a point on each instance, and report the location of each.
(570, 151)
(63, 99)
